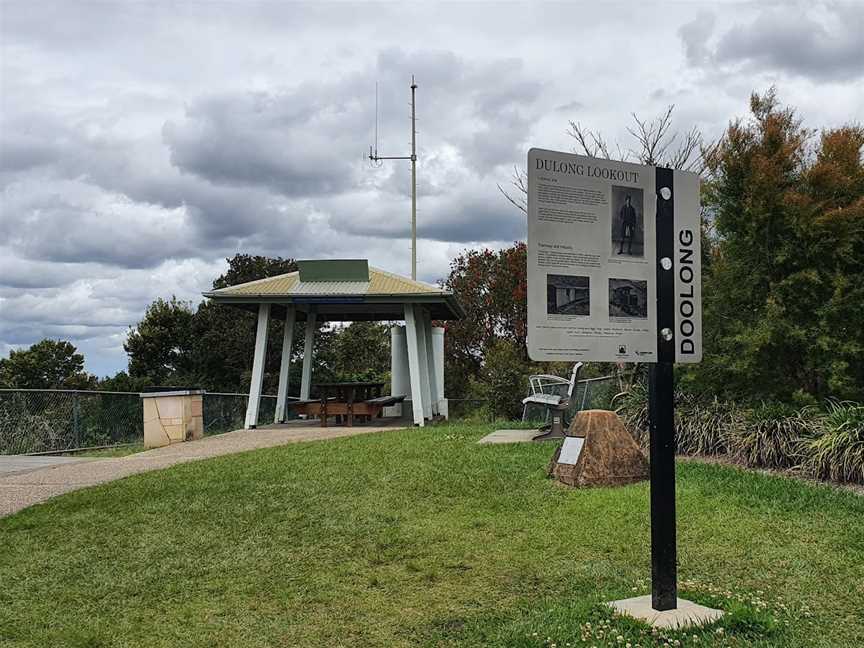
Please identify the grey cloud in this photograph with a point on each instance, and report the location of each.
(72, 221)
(821, 44)
(694, 35)
(21, 274)
(462, 215)
(570, 106)
(286, 142)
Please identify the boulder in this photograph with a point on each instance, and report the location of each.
(609, 456)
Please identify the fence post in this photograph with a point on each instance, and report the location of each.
(76, 419)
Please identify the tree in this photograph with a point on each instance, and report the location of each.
(160, 346)
(781, 303)
(49, 364)
(492, 288)
(359, 351)
(224, 336)
(501, 380)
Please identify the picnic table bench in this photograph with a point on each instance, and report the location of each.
(345, 400)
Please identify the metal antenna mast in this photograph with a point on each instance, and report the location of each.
(374, 157)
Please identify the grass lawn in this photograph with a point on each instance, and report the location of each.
(421, 538)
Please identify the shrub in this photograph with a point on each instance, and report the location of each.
(700, 427)
(632, 407)
(502, 382)
(837, 452)
(704, 427)
(772, 436)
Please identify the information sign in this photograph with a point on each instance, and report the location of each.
(604, 240)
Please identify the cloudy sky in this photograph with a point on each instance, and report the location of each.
(141, 143)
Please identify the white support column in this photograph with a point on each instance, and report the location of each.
(414, 369)
(419, 317)
(309, 339)
(438, 353)
(284, 366)
(257, 382)
(430, 363)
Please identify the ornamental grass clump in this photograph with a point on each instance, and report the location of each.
(632, 407)
(772, 435)
(702, 428)
(837, 452)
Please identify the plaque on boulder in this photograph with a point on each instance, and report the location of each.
(605, 453)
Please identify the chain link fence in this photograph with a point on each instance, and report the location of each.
(53, 420)
(227, 412)
(45, 420)
(596, 393)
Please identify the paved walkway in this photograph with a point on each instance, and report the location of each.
(33, 484)
(12, 464)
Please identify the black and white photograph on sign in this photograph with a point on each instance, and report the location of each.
(628, 228)
(628, 298)
(567, 295)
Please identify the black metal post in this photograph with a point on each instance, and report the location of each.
(661, 406)
(661, 413)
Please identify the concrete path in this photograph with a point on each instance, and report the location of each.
(19, 489)
(13, 464)
(509, 436)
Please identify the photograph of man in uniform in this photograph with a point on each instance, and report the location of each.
(628, 233)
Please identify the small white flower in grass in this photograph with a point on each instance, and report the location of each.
(719, 631)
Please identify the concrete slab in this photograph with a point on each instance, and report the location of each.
(16, 464)
(509, 436)
(687, 613)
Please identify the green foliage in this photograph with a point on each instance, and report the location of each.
(702, 428)
(359, 352)
(224, 336)
(824, 444)
(770, 435)
(837, 452)
(160, 346)
(49, 364)
(782, 316)
(492, 288)
(502, 380)
(632, 406)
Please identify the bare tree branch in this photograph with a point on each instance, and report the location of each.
(519, 181)
(655, 144)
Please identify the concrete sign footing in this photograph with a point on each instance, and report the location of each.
(686, 614)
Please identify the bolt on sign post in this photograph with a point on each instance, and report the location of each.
(614, 275)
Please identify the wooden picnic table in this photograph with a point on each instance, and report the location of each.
(345, 400)
(349, 392)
